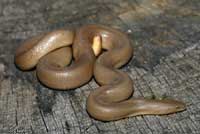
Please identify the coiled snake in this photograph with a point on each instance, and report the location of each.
(51, 54)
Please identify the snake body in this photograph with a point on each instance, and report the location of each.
(50, 53)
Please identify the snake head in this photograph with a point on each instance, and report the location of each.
(158, 107)
(171, 106)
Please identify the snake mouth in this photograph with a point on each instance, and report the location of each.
(180, 107)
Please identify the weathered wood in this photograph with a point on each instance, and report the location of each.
(166, 63)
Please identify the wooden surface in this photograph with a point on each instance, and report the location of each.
(166, 63)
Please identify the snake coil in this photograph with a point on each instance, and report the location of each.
(51, 54)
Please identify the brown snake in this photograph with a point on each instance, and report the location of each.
(51, 55)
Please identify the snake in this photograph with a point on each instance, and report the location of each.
(98, 51)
